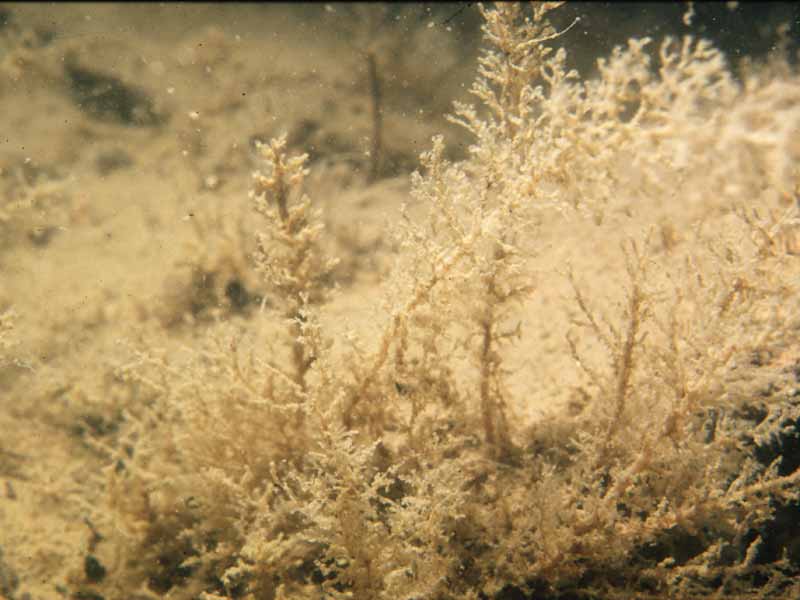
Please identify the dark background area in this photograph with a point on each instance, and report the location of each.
(738, 29)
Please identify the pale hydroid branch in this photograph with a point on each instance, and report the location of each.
(289, 254)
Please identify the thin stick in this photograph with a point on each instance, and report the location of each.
(377, 120)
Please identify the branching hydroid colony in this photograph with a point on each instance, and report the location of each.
(291, 472)
(289, 255)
